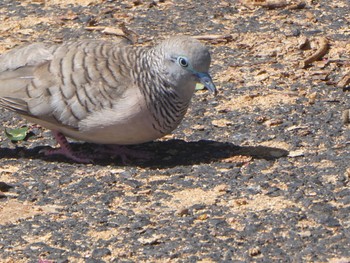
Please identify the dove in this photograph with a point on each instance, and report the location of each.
(103, 92)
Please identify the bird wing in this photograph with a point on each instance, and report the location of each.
(30, 55)
(63, 84)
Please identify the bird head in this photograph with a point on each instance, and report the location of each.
(186, 63)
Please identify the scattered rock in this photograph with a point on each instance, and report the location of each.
(253, 252)
(296, 153)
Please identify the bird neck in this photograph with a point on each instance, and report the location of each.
(166, 103)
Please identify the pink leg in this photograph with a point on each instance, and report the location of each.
(102, 152)
(65, 149)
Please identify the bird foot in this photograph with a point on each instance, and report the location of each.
(65, 150)
(102, 152)
(70, 154)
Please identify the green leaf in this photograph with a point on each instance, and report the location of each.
(17, 134)
(199, 86)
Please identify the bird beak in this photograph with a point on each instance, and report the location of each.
(206, 80)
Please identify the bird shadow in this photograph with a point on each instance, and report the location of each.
(163, 154)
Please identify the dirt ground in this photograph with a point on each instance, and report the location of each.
(258, 173)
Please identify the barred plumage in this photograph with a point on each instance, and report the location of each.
(98, 91)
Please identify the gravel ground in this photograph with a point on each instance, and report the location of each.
(257, 174)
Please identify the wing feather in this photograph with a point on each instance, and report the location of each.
(63, 84)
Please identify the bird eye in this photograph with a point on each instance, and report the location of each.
(183, 62)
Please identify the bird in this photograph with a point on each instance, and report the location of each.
(104, 92)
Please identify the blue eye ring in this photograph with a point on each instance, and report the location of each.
(183, 62)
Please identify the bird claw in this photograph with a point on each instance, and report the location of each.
(102, 152)
(68, 154)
